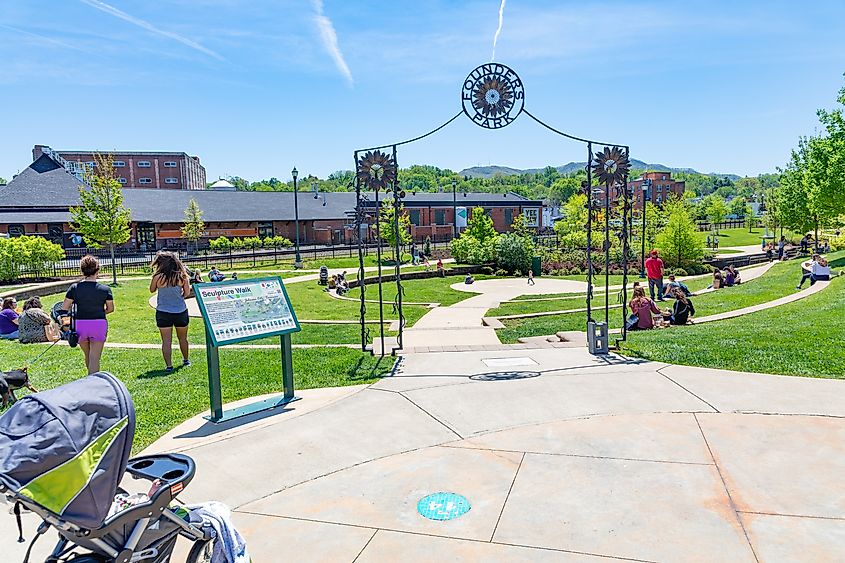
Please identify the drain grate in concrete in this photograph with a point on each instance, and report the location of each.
(508, 362)
(504, 375)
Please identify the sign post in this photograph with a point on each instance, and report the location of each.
(239, 311)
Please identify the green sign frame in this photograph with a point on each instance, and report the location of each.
(212, 351)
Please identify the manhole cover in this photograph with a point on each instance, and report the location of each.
(508, 362)
(443, 506)
(505, 375)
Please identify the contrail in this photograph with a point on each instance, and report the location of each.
(111, 10)
(329, 38)
(498, 29)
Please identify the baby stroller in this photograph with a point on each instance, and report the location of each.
(63, 454)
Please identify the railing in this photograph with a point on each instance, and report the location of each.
(730, 224)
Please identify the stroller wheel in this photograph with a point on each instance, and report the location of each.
(200, 552)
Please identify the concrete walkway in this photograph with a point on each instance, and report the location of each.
(562, 456)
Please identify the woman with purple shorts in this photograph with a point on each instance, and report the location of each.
(93, 302)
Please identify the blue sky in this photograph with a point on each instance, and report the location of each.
(256, 87)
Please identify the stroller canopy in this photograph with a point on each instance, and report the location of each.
(66, 449)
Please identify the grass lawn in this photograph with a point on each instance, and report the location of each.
(164, 400)
(802, 338)
(779, 281)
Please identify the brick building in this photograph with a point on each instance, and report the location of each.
(157, 170)
(37, 202)
(662, 186)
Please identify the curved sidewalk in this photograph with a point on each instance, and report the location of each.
(562, 456)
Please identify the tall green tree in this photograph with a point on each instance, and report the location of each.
(3, 181)
(678, 241)
(480, 225)
(101, 218)
(193, 227)
(716, 211)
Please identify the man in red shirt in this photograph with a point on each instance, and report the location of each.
(654, 271)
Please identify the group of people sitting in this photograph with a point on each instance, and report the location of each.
(645, 314)
(29, 326)
(338, 283)
(727, 278)
(816, 270)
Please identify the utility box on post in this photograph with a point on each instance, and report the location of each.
(597, 338)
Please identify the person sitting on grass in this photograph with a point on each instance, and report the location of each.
(731, 276)
(440, 269)
(718, 280)
(215, 275)
(469, 279)
(682, 309)
(33, 322)
(675, 284)
(9, 319)
(643, 307)
(807, 271)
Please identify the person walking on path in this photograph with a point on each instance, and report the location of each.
(413, 254)
(654, 271)
(531, 277)
(93, 302)
(172, 285)
(781, 247)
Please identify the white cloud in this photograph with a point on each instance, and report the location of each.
(329, 38)
(111, 10)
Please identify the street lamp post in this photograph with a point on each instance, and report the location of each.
(646, 188)
(297, 262)
(454, 209)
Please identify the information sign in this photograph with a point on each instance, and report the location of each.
(241, 310)
(237, 311)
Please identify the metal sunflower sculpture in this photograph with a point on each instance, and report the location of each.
(376, 170)
(492, 97)
(611, 166)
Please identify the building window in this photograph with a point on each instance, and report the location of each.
(265, 229)
(144, 164)
(508, 216)
(415, 216)
(532, 217)
(145, 180)
(118, 164)
(122, 180)
(91, 163)
(659, 198)
(16, 230)
(439, 217)
(663, 177)
(171, 180)
(170, 164)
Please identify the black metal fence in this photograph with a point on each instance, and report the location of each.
(730, 224)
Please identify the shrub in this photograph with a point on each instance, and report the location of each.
(681, 272)
(500, 272)
(427, 246)
(252, 242)
(31, 254)
(277, 242)
(514, 252)
(466, 249)
(220, 244)
(486, 270)
(237, 243)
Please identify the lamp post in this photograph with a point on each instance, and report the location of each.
(454, 209)
(646, 189)
(297, 262)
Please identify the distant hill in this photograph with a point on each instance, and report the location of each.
(490, 171)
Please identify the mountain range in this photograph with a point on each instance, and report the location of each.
(492, 170)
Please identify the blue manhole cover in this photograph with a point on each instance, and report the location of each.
(443, 506)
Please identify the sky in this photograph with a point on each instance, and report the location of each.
(257, 87)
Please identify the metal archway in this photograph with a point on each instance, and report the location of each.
(492, 97)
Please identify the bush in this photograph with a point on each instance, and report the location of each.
(252, 242)
(427, 246)
(466, 249)
(34, 255)
(486, 270)
(237, 243)
(501, 273)
(276, 242)
(220, 244)
(514, 252)
(681, 272)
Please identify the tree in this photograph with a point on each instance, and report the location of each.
(514, 252)
(3, 181)
(571, 228)
(387, 226)
(716, 211)
(101, 218)
(480, 226)
(562, 189)
(679, 242)
(193, 227)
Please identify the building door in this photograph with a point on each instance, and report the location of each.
(146, 237)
